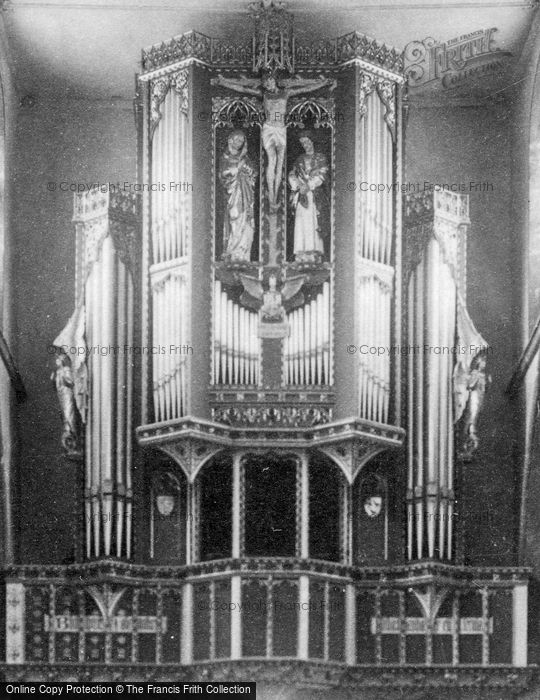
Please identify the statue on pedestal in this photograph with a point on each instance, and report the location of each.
(309, 173)
(237, 175)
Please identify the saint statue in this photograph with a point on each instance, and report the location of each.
(274, 133)
(476, 387)
(309, 173)
(470, 382)
(62, 378)
(70, 379)
(237, 175)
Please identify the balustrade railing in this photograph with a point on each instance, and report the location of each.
(265, 609)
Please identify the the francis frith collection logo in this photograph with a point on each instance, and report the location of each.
(455, 63)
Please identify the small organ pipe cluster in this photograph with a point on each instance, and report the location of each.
(307, 348)
(237, 351)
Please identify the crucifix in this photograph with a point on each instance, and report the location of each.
(274, 133)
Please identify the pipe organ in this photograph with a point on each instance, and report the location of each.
(443, 345)
(102, 331)
(263, 304)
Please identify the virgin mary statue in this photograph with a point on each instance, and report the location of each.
(237, 175)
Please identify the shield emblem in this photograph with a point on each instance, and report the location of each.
(165, 504)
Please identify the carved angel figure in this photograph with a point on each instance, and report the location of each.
(63, 381)
(477, 384)
(272, 303)
(470, 383)
(70, 379)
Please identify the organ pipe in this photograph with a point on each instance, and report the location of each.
(374, 303)
(170, 364)
(432, 326)
(104, 253)
(236, 344)
(306, 355)
(375, 271)
(170, 271)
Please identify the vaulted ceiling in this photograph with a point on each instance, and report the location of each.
(92, 48)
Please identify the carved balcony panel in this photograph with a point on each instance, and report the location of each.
(286, 409)
(349, 443)
(115, 614)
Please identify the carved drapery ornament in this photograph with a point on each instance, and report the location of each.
(125, 243)
(387, 92)
(180, 83)
(158, 92)
(367, 84)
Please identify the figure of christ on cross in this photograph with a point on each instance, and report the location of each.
(274, 133)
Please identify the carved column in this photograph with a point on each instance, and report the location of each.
(236, 581)
(303, 617)
(519, 624)
(304, 505)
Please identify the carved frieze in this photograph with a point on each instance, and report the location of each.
(268, 415)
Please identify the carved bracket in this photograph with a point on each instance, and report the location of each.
(352, 456)
(190, 455)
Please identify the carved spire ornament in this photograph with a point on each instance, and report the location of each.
(273, 37)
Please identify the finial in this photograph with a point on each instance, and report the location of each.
(273, 37)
